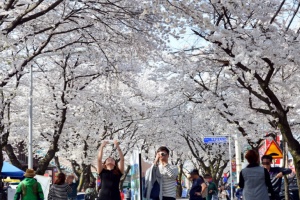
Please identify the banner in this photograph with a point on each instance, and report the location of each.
(233, 165)
(45, 183)
(135, 172)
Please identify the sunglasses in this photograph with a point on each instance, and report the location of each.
(266, 163)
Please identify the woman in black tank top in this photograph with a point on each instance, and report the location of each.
(110, 174)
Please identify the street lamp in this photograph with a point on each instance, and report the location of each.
(30, 156)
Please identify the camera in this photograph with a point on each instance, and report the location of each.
(163, 154)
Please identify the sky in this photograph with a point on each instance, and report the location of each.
(188, 40)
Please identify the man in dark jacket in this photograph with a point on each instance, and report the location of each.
(276, 174)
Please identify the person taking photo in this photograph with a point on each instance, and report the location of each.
(110, 173)
(162, 173)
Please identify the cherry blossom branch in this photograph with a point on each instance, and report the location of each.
(20, 20)
(260, 110)
(292, 19)
(271, 70)
(277, 12)
(9, 4)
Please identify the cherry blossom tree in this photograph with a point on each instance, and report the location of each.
(106, 33)
(254, 45)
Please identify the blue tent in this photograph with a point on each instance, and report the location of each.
(11, 171)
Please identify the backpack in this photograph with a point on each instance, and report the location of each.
(34, 189)
(90, 194)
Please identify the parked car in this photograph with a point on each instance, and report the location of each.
(293, 189)
(80, 196)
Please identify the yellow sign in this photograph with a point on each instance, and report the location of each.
(274, 151)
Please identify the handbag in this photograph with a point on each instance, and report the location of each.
(155, 190)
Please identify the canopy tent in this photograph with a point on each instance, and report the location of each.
(11, 171)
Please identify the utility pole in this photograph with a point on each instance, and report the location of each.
(30, 156)
(230, 161)
(237, 157)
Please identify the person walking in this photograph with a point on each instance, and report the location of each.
(60, 189)
(128, 194)
(212, 190)
(90, 192)
(276, 174)
(255, 180)
(110, 173)
(198, 185)
(29, 188)
(162, 173)
(73, 183)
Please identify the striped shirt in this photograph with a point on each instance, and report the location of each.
(169, 174)
(59, 192)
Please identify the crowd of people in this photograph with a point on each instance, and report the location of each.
(110, 173)
(65, 187)
(256, 182)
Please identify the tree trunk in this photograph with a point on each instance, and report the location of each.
(57, 164)
(215, 167)
(44, 162)
(284, 126)
(1, 126)
(293, 144)
(216, 170)
(84, 174)
(286, 188)
(1, 157)
(12, 156)
(296, 159)
(124, 176)
(1, 165)
(179, 185)
(286, 182)
(85, 177)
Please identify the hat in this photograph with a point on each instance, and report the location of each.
(29, 173)
(194, 171)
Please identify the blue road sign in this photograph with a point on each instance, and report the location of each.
(211, 139)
